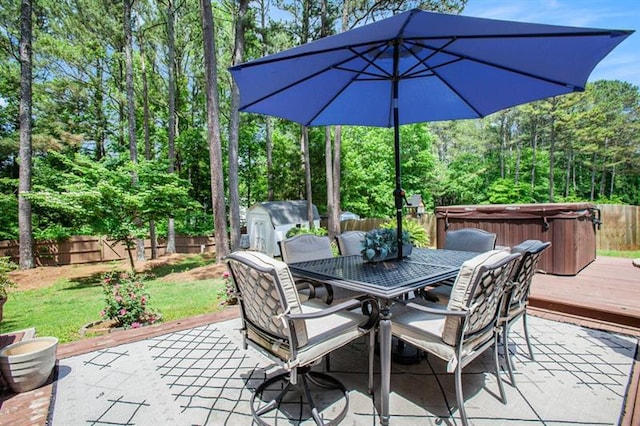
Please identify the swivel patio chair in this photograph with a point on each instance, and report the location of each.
(517, 295)
(350, 243)
(293, 334)
(468, 325)
(305, 247)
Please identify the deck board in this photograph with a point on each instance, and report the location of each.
(607, 290)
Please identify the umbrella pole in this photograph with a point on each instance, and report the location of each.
(398, 193)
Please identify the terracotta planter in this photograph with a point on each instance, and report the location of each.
(27, 365)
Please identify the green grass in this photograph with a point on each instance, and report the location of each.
(633, 254)
(63, 308)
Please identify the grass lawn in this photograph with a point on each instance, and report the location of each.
(61, 309)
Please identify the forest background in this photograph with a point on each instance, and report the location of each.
(128, 119)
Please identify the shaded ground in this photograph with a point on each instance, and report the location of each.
(174, 267)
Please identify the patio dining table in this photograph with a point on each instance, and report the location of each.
(385, 281)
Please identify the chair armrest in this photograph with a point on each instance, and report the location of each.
(332, 309)
(437, 311)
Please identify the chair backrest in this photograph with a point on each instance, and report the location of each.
(304, 247)
(266, 290)
(523, 273)
(350, 242)
(479, 288)
(470, 239)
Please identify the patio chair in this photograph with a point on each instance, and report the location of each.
(517, 295)
(470, 239)
(305, 247)
(350, 243)
(293, 334)
(468, 325)
(465, 239)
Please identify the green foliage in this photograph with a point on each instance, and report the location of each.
(126, 300)
(77, 194)
(417, 233)
(6, 283)
(379, 243)
(505, 191)
(62, 309)
(321, 232)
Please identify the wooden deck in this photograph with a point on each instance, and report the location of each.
(606, 291)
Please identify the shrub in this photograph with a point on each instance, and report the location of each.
(321, 232)
(6, 266)
(126, 300)
(417, 233)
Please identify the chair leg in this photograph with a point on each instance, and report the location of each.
(371, 347)
(507, 354)
(503, 395)
(320, 380)
(459, 396)
(526, 334)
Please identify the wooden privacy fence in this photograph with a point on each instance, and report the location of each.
(87, 249)
(620, 230)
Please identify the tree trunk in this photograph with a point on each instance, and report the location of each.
(234, 128)
(534, 151)
(269, 143)
(552, 152)
(101, 125)
(213, 128)
(148, 155)
(328, 162)
(171, 148)
(307, 173)
(24, 185)
(131, 109)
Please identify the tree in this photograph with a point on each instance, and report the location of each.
(234, 128)
(213, 131)
(24, 204)
(86, 193)
(171, 235)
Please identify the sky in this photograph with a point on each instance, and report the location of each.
(623, 63)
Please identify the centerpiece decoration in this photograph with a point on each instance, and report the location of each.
(382, 244)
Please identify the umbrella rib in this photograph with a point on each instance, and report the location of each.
(356, 77)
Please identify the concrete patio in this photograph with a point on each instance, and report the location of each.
(195, 372)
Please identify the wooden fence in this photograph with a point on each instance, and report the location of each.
(620, 230)
(87, 249)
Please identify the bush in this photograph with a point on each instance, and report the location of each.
(417, 234)
(126, 300)
(321, 232)
(6, 266)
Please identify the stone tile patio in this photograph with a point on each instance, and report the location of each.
(203, 376)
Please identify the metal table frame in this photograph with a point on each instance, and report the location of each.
(385, 281)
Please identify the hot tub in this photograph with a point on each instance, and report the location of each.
(570, 227)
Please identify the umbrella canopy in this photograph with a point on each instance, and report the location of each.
(421, 66)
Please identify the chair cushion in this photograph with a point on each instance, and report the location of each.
(261, 299)
(328, 333)
(462, 289)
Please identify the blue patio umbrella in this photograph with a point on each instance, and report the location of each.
(421, 66)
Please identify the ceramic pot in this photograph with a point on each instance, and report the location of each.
(27, 365)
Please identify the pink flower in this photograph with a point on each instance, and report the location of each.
(118, 299)
(123, 312)
(225, 275)
(102, 313)
(136, 325)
